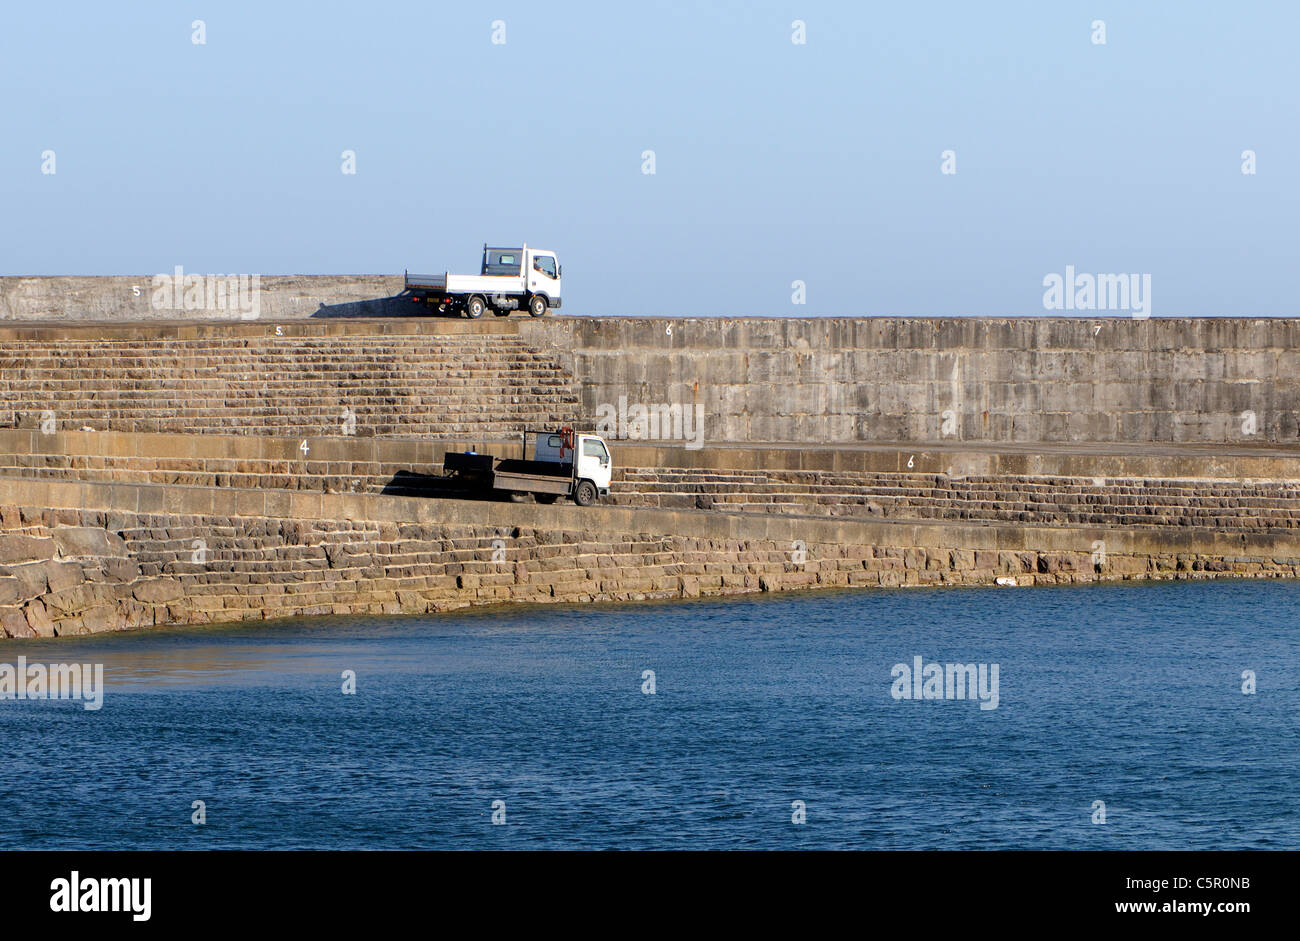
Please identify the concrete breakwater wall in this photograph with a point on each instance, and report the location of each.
(953, 380)
(87, 557)
(839, 380)
(176, 473)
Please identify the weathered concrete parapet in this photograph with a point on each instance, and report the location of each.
(949, 380)
(124, 298)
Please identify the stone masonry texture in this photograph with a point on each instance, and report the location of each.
(167, 468)
(128, 556)
(1032, 379)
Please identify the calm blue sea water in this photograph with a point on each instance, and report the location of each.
(1126, 694)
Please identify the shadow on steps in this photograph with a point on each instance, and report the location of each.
(399, 305)
(411, 484)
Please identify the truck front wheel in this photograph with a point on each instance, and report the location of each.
(537, 305)
(585, 494)
(474, 307)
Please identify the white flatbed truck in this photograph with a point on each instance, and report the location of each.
(508, 279)
(558, 464)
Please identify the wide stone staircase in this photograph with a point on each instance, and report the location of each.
(1260, 506)
(368, 407)
(412, 385)
(408, 468)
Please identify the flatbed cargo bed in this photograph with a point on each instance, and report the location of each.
(466, 463)
(534, 468)
(512, 473)
(531, 483)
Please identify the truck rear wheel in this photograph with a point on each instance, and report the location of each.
(537, 305)
(585, 494)
(475, 307)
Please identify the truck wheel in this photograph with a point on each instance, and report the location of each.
(474, 307)
(585, 495)
(547, 498)
(537, 305)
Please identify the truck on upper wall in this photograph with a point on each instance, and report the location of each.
(508, 279)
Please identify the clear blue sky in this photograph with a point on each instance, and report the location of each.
(775, 161)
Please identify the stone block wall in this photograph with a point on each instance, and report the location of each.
(89, 557)
(433, 379)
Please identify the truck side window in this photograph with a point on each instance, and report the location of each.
(545, 264)
(594, 449)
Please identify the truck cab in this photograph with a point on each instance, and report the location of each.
(589, 454)
(538, 269)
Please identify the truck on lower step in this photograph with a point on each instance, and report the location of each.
(508, 279)
(552, 464)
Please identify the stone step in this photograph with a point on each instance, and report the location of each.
(1106, 506)
(434, 386)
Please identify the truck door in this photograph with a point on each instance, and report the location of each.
(594, 462)
(544, 276)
